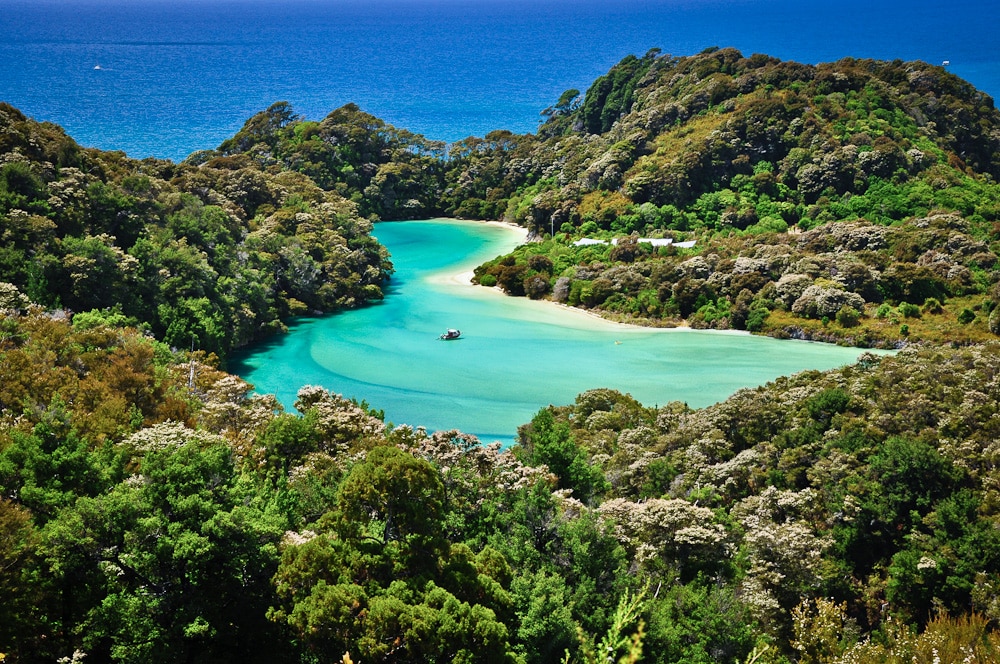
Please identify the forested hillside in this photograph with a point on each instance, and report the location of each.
(211, 256)
(757, 160)
(732, 142)
(154, 509)
(390, 173)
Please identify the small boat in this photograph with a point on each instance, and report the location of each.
(97, 67)
(451, 334)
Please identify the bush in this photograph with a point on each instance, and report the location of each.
(932, 306)
(536, 286)
(848, 317)
(539, 263)
(511, 279)
(966, 316)
(907, 310)
(756, 318)
(488, 280)
(821, 301)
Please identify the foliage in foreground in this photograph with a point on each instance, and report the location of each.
(844, 516)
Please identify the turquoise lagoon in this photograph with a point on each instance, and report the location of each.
(515, 355)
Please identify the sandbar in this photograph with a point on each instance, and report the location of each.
(464, 279)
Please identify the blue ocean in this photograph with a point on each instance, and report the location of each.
(167, 77)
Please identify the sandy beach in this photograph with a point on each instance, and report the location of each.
(464, 278)
(515, 354)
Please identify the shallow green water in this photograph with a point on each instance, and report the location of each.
(515, 355)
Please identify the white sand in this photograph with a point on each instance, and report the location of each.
(592, 318)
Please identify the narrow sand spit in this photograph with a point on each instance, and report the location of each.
(464, 278)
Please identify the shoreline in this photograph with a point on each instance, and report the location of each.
(464, 279)
(503, 224)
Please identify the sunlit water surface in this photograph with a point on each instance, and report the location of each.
(182, 75)
(515, 355)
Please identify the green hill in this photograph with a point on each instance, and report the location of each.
(787, 140)
(743, 155)
(213, 255)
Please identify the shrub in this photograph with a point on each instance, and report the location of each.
(966, 316)
(536, 286)
(821, 301)
(848, 316)
(488, 280)
(511, 279)
(791, 287)
(756, 318)
(560, 292)
(539, 263)
(907, 310)
(932, 306)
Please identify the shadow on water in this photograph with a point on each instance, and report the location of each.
(239, 360)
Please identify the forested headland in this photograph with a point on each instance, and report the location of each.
(154, 509)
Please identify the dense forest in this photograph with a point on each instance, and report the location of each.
(753, 159)
(760, 162)
(153, 508)
(211, 256)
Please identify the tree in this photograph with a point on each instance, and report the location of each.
(386, 584)
(547, 628)
(611, 95)
(177, 561)
(47, 469)
(550, 442)
(906, 478)
(396, 501)
(196, 322)
(568, 102)
(19, 624)
(698, 623)
(264, 127)
(96, 272)
(21, 188)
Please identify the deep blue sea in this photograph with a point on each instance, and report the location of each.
(177, 76)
